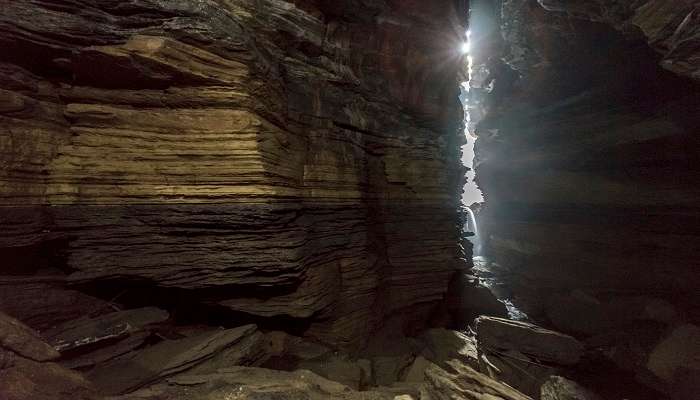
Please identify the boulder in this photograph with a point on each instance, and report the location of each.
(280, 344)
(248, 351)
(582, 313)
(26, 374)
(466, 299)
(253, 383)
(495, 334)
(463, 382)
(576, 312)
(339, 369)
(90, 331)
(41, 302)
(517, 370)
(442, 345)
(388, 370)
(26, 379)
(416, 372)
(629, 349)
(559, 388)
(106, 353)
(401, 390)
(20, 339)
(171, 357)
(676, 359)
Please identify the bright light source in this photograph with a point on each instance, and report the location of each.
(465, 47)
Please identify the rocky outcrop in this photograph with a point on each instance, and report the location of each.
(587, 157)
(218, 348)
(44, 301)
(26, 370)
(293, 159)
(670, 27)
(106, 328)
(543, 344)
(523, 355)
(675, 360)
(559, 388)
(463, 382)
(243, 382)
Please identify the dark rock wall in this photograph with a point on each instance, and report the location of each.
(590, 161)
(279, 158)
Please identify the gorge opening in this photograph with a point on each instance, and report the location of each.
(267, 199)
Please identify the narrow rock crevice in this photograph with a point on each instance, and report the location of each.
(263, 199)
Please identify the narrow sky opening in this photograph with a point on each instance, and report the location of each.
(471, 193)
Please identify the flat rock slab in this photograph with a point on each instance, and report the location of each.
(106, 353)
(558, 388)
(26, 374)
(676, 361)
(165, 359)
(88, 331)
(20, 339)
(253, 383)
(495, 334)
(443, 345)
(517, 370)
(26, 379)
(41, 302)
(463, 382)
(337, 369)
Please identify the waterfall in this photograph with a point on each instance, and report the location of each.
(471, 226)
(472, 222)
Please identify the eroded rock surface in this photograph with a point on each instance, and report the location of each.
(559, 388)
(26, 372)
(543, 344)
(587, 116)
(215, 348)
(294, 159)
(253, 383)
(88, 331)
(463, 381)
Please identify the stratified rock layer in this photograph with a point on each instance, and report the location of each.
(588, 157)
(589, 160)
(281, 158)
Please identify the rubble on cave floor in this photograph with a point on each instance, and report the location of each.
(155, 360)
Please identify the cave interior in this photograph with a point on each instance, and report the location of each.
(350, 199)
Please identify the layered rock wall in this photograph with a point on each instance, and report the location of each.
(589, 159)
(279, 158)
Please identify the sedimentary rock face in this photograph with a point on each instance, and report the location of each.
(281, 158)
(589, 157)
